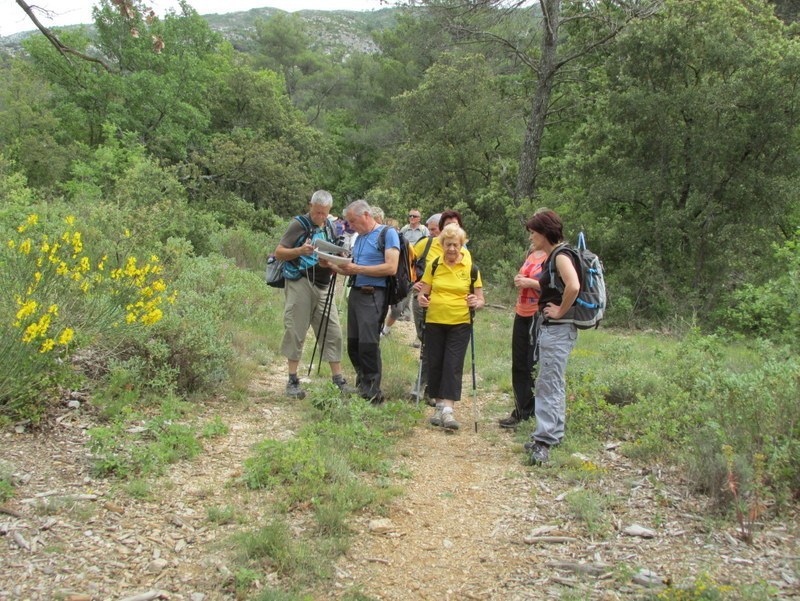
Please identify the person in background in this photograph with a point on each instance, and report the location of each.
(422, 252)
(305, 297)
(414, 231)
(522, 347)
(554, 341)
(377, 214)
(367, 297)
(449, 295)
(349, 237)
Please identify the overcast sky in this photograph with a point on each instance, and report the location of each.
(69, 12)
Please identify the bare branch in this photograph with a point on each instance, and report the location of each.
(62, 48)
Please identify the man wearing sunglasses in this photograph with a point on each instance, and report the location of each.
(414, 231)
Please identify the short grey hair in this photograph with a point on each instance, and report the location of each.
(377, 213)
(437, 218)
(322, 198)
(358, 207)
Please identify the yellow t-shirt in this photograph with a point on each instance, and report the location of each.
(449, 290)
(435, 251)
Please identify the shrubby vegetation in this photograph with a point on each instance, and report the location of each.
(138, 203)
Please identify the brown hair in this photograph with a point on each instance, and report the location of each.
(450, 214)
(548, 224)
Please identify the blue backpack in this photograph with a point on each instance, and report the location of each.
(590, 306)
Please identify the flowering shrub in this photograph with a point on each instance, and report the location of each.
(57, 297)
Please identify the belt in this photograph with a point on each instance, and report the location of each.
(365, 289)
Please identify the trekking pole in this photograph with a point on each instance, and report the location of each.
(325, 315)
(474, 383)
(421, 358)
(331, 303)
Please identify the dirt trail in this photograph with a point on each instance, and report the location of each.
(461, 530)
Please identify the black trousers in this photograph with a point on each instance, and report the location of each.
(364, 323)
(446, 347)
(522, 380)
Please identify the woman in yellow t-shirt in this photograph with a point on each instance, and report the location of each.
(447, 297)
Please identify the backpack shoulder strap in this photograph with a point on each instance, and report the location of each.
(428, 245)
(555, 278)
(382, 238)
(308, 227)
(434, 266)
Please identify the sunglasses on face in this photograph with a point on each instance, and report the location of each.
(412, 216)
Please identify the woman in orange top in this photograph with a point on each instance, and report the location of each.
(527, 283)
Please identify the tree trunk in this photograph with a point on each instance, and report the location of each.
(531, 148)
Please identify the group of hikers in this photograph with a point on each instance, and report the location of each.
(445, 296)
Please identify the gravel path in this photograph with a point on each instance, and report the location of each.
(473, 523)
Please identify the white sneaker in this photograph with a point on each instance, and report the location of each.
(449, 422)
(436, 420)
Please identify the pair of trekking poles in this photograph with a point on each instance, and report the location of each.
(329, 247)
(418, 389)
(323, 324)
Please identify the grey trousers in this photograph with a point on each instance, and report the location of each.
(555, 343)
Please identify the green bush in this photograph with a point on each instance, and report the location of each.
(248, 249)
(711, 398)
(769, 308)
(685, 399)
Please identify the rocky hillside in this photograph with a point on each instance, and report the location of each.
(341, 32)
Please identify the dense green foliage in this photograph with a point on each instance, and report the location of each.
(674, 144)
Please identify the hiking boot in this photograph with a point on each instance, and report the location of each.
(343, 387)
(510, 422)
(436, 420)
(449, 422)
(376, 399)
(294, 391)
(540, 452)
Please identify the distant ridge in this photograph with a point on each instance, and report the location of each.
(338, 31)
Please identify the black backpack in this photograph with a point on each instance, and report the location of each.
(398, 285)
